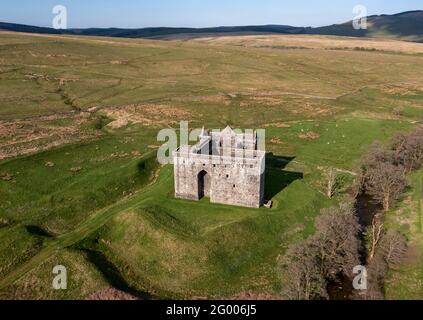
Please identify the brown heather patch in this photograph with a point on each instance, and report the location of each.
(37, 77)
(119, 154)
(269, 101)
(64, 81)
(32, 135)
(75, 169)
(214, 98)
(6, 176)
(311, 108)
(119, 62)
(111, 294)
(255, 296)
(375, 115)
(152, 146)
(316, 42)
(309, 135)
(295, 103)
(276, 140)
(277, 125)
(244, 104)
(403, 89)
(56, 56)
(145, 114)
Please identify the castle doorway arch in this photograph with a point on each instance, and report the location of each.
(204, 184)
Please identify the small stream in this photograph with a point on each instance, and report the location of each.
(366, 210)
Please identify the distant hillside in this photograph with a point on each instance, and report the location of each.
(24, 28)
(154, 32)
(158, 32)
(406, 26)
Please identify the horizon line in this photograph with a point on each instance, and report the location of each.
(209, 27)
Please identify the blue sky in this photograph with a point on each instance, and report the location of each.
(195, 13)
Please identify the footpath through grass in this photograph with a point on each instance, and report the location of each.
(94, 222)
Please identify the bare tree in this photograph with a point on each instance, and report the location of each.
(389, 251)
(408, 150)
(333, 182)
(393, 247)
(375, 234)
(337, 237)
(376, 272)
(398, 145)
(377, 154)
(382, 177)
(301, 277)
(332, 251)
(385, 182)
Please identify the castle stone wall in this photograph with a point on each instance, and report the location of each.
(231, 182)
(227, 167)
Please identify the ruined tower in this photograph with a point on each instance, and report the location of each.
(226, 166)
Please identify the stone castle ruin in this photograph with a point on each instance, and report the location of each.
(226, 167)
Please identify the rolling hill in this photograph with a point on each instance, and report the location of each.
(79, 181)
(153, 32)
(406, 26)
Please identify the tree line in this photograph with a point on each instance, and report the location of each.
(341, 242)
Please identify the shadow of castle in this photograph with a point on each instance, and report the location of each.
(276, 178)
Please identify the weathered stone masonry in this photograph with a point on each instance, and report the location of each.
(226, 167)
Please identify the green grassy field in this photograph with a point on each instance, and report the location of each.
(406, 281)
(80, 185)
